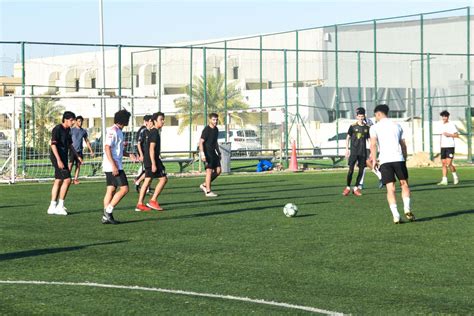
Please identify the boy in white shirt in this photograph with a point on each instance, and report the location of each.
(388, 137)
(448, 133)
(112, 165)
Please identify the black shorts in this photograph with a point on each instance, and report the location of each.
(360, 159)
(160, 171)
(447, 153)
(60, 174)
(73, 159)
(391, 169)
(117, 181)
(212, 161)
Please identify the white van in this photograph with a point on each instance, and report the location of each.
(242, 140)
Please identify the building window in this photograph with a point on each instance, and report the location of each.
(77, 85)
(153, 78)
(235, 73)
(137, 81)
(396, 114)
(93, 85)
(332, 115)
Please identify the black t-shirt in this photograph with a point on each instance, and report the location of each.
(210, 139)
(140, 138)
(359, 135)
(62, 138)
(151, 136)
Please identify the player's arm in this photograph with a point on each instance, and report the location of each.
(74, 152)
(54, 148)
(108, 154)
(373, 150)
(348, 137)
(201, 149)
(403, 146)
(152, 156)
(140, 151)
(88, 143)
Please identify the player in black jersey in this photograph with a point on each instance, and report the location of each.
(147, 123)
(210, 154)
(357, 136)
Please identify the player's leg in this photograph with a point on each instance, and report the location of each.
(54, 196)
(361, 165)
(388, 179)
(112, 196)
(444, 179)
(347, 189)
(65, 176)
(450, 165)
(141, 207)
(153, 203)
(208, 179)
(216, 172)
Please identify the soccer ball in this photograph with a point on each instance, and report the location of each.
(290, 210)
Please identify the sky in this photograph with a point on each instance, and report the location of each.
(147, 22)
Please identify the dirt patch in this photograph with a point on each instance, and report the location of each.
(422, 159)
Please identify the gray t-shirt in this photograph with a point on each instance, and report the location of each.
(78, 134)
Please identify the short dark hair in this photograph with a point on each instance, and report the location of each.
(79, 117)
(444, 113)
(382, 108)
(157, 115)
(68, 115)
(147, 117)
(360, 111)
(213, 115)
(122, 117)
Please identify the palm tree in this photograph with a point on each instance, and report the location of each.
(46, 114)
(215, 101)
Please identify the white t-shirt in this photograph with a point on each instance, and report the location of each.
(447, 142)
(113, 138)
(388, 136)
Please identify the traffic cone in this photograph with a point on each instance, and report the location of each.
(293, 160)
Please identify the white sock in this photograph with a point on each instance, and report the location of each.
(60, 203)
(455, 176)
(137, 182)
(363, 176)
(377, 173)
(109, 209)
(53, 204)
(445, 179)
(406, 204)
(348, 188)
(356, 188)
(394, 210)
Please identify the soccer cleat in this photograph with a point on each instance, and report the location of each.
(211, 194)
(381, 184)
(360, 187)
(203, 188)
(51, 210)
(443, 183)
(154, 205)
(455, 180)
(357, 192)
(142, 208)
(397, 220)
(60, 210)
(108, 218)
(410, 216)
(346, 191)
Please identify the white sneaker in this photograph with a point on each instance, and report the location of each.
(60, 210)
(51, 210)
(396, 220)
(443, 183)
(455, 180)
(203, 188)
(210, 194)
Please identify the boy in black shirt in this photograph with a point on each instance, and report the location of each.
(210, 154)
(147, 123)
(61, 144)
(357, 135)
(154, 167)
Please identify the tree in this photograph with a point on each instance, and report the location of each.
(215, 101)
(46, 114)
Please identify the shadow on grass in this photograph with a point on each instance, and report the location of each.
(197, 215)
(17, 205)
(48, 251)
(452, 214)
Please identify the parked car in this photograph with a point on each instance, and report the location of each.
(330, 146)
(129, 143)
(242, 140)
(5, 145)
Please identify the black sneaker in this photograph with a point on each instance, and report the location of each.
(109, 219)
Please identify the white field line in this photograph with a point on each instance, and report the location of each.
(179, 292)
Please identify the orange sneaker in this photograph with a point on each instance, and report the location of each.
(356, 192)
(346, 191)
(154, 205)
(142, 208)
